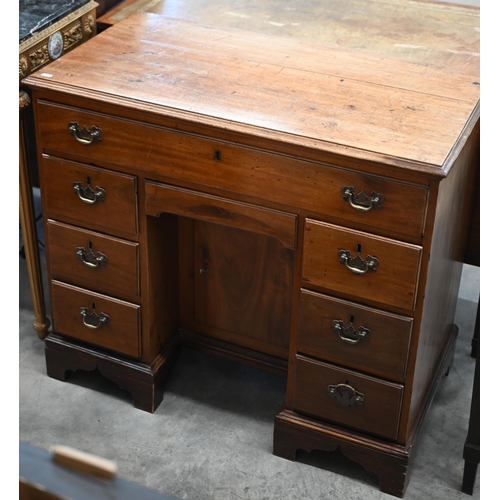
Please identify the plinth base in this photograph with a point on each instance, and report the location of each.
(144, 382)
(389, 461)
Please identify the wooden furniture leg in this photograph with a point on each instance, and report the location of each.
(471, 447)
(41, 323)
(143, 382)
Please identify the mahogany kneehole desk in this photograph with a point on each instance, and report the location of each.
(302, 209)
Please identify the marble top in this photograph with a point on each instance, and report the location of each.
(37, 15)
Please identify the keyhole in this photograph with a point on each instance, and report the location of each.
(90, 246)
(351, 320)
(217, 155)
(93, 306)
(358, 248)
(88, 181)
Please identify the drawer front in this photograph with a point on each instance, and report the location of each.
(386, 271)
(352, 335)
(120, 332)
(92, 260)
(109, 202)
(199, 206)
(374, 201)
(347, 398)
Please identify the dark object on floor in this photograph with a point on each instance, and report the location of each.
(40, 475)
(471, 447)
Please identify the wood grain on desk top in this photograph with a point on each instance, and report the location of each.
(414, 30)
(328, 98)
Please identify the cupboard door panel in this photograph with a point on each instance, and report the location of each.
(243, 286)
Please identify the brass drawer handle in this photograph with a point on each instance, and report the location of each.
(345, 395)
(361, 202)
(350, 334)
(88, 195)
(356, 264)
(90, 259)
(84, 135)
(92, 320)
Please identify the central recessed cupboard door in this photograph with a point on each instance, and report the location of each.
(243, 287)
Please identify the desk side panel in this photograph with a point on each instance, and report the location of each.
(451, 224)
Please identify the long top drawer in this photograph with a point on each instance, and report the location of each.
(347, 195)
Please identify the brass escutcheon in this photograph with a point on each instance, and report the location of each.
(345, 395)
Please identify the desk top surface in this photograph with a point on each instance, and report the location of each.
(343, 101)
(414, 30)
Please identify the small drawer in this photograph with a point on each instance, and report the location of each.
(91, 195)
(100, 320)
(164, 198)
(347, 398)
(371, 200)
(348, 334)
(360, 265)
(92, 260)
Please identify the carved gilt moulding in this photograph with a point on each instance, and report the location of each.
(56, 39)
